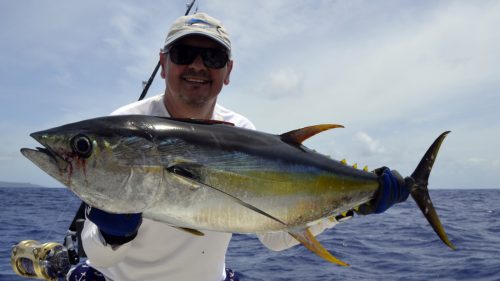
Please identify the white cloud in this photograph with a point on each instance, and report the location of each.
(372, 146)
(477, 160)
(281, 83)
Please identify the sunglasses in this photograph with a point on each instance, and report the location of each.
(186, 54)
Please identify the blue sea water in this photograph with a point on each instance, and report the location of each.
(396, 245)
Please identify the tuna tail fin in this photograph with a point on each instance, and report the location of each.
(417, 185)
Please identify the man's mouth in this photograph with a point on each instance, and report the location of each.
(196, 79)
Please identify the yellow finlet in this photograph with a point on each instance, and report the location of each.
(365, 168)
(355, 166)
(305, 237)
(343, 161)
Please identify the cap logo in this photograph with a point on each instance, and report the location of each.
(200, 23)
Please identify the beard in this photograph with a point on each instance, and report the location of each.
(196, 98)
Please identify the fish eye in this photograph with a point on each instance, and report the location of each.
(81, 145)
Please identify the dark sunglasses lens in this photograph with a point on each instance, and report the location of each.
(183, 54)
(214, 58)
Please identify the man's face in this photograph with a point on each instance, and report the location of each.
(194, 83)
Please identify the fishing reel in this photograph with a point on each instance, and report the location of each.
(48, 261)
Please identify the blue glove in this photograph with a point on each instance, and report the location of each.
(115, 228)
(392, 190)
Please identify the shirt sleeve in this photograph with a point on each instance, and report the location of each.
(99, 253)
(279, 241)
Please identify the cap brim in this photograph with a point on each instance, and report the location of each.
(181, 35)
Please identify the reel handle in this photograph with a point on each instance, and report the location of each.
(32, 259)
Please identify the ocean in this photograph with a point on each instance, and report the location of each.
(396, 245)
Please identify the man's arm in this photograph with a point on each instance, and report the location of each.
(106, 236)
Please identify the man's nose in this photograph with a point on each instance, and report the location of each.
(198, 62)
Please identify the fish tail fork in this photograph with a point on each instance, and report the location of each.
(417, 184)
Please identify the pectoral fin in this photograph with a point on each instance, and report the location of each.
(190, 230)
(305, 237)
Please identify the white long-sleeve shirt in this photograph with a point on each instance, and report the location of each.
(161, 252)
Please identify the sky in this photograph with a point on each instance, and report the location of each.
(396, 74)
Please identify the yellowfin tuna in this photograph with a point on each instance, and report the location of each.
(207, 175)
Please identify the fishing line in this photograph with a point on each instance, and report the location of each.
(62, 213)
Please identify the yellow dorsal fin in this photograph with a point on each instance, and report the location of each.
(296, 137)
(305, 237)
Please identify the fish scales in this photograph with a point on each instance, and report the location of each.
(205, 175)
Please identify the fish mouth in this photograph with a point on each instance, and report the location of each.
(45, 157)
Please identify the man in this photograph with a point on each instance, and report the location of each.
(196, 63)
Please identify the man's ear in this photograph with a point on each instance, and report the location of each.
(163, 58)
(228, 74)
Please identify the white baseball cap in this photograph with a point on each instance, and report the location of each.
(198, 24)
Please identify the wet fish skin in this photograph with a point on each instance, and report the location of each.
(205, 175)
(132, 155)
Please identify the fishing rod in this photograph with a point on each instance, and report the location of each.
(153, 75)
(77, 223)
(52, 260)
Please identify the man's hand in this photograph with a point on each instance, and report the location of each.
(117, 229)
(392, 190)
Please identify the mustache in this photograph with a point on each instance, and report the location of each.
(202, 74)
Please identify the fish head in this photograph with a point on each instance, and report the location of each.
(105, 164)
